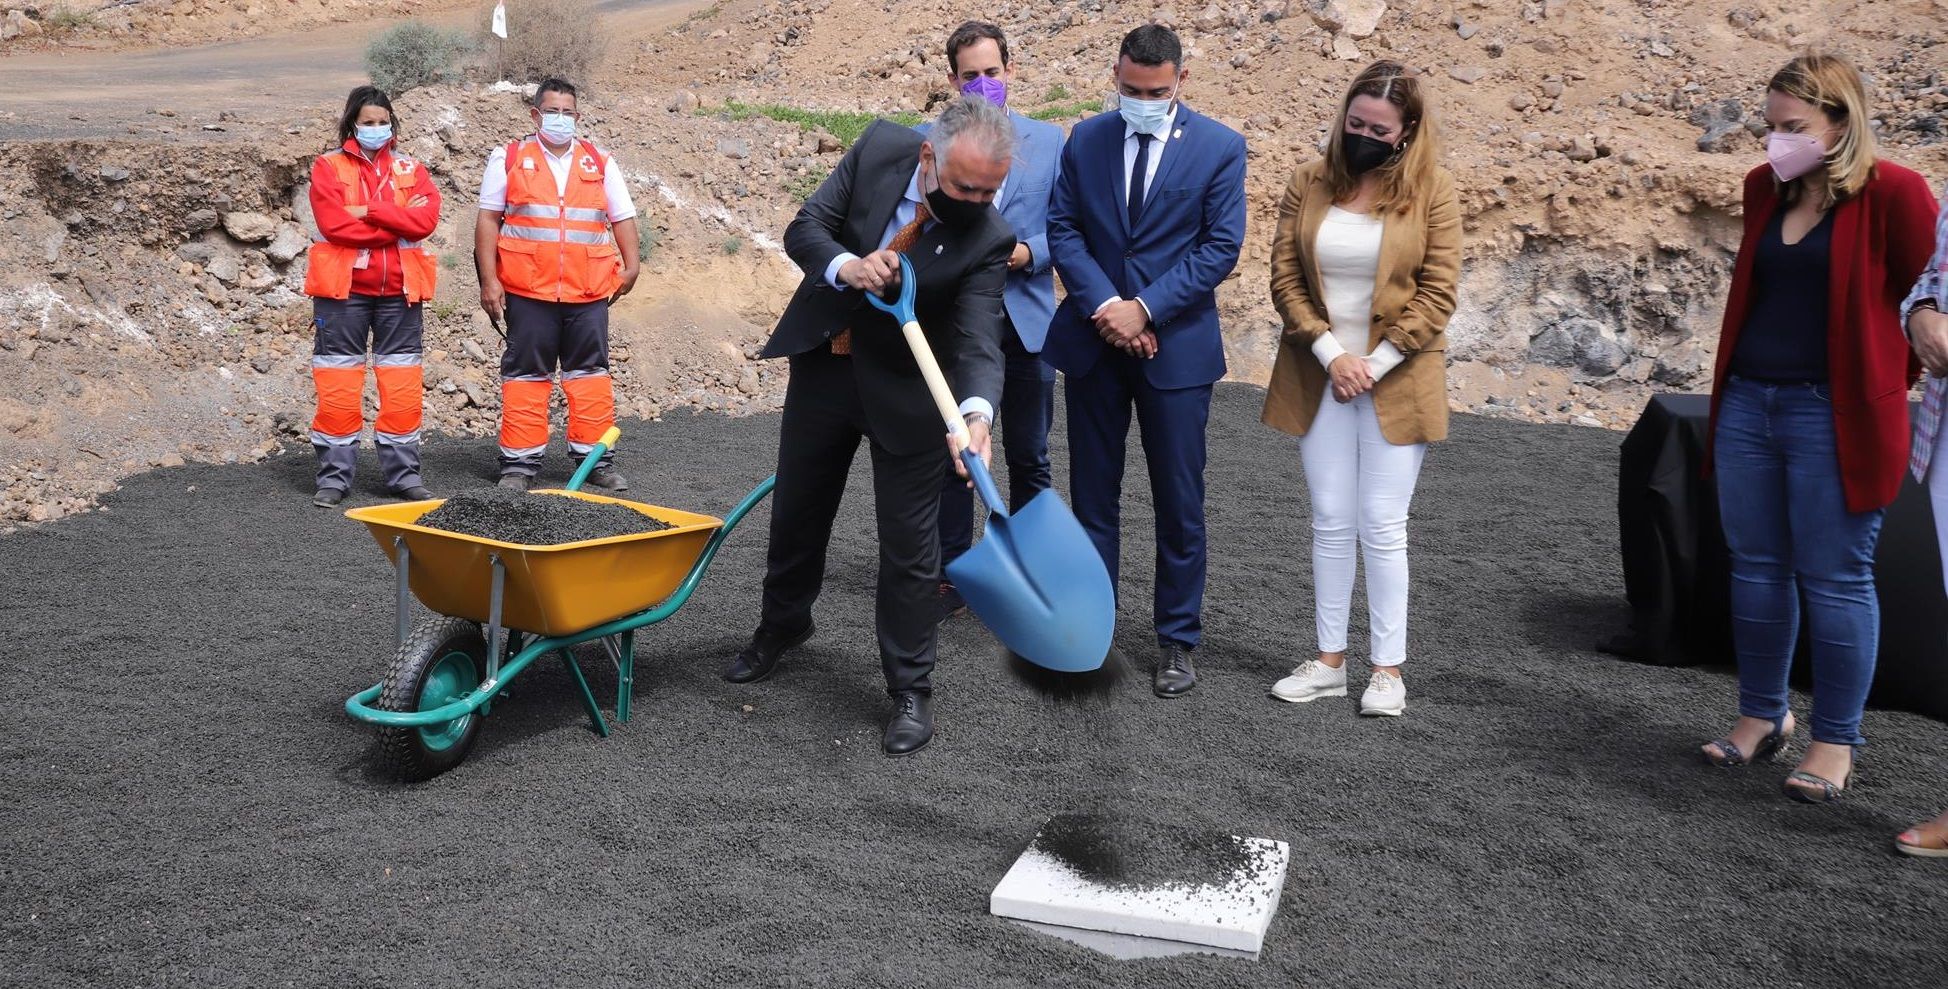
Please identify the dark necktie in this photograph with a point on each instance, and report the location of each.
(901, 243)
(1137, 173)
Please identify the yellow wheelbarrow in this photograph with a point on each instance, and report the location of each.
(502, 606)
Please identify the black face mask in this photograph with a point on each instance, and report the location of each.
(1364, 154)
(956, 213)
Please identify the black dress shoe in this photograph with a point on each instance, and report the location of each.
(1175, 674)
(911, 726)
(513, 482)
(417, 492)
(760, 658)
(328, 497)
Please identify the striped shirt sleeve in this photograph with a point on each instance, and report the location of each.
(1933, 283)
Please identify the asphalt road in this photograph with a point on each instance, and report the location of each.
(112, 95)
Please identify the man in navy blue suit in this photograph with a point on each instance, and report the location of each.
(1147, 218)
(978, 65)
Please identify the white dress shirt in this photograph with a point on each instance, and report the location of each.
(1157, 142)
(493, 182)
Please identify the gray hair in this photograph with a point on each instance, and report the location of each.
(974, 118)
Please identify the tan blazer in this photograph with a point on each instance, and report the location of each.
(1413, 296)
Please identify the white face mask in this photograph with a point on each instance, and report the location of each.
(1146, 116)
(557, 128)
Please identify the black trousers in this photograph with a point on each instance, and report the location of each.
(823, 424)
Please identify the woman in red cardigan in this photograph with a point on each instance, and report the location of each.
(1809, 411)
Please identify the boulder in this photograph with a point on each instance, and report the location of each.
(1723, 121)
(199, 221)
(250, 228)
(287, 244)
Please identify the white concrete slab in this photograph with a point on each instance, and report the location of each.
(1226, 911)
(1129, 947)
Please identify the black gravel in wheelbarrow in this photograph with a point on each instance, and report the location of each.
(186, 803)
(536, 519)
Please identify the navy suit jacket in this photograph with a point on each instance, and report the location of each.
(1185, 241)
(1023, 203)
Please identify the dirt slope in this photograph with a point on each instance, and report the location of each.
(136, 328)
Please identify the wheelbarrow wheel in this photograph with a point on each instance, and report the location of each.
(440, 663)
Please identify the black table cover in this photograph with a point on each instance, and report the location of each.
(1676, 573)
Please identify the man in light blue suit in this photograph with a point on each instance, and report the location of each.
(1147, 218)
(977, 62)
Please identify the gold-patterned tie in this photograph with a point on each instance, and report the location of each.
(901, 242)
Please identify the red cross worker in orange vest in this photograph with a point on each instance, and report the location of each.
(555, 245)
(368, 278)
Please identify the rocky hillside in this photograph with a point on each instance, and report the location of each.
(148, 303)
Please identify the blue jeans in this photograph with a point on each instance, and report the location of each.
(1027, 407)
(1789, 532)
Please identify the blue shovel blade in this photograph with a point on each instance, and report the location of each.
(1039, 585)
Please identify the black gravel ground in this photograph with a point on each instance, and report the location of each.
(535, 519)
(186, 803)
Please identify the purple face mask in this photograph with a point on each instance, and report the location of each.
(990, 88)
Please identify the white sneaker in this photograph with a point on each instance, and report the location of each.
(1310, 681)
(1386, 695)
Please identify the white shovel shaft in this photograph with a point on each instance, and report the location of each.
(943, 397)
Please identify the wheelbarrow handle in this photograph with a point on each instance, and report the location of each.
(916, 341)
(602, 446)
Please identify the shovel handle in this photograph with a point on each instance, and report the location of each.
(943, 397)
(901, 308)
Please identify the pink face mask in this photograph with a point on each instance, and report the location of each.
(1794, 155)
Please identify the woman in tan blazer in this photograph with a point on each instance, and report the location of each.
(1364, 267)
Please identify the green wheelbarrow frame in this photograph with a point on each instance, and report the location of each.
(618, 637)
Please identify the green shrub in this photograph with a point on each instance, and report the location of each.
(1056, 94)
(733, 244)
(560, 39)
(647, 237)
(801, 187)
(1064, 111)
(846, 125)
(414, 54)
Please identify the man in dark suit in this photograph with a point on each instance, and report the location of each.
(852, 376)
(1147, 218)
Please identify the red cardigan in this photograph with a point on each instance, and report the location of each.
(386, 223)
(1882, 239)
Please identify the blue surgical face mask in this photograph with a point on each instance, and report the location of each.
(374, 136)
(557, 128)
(1145, 116)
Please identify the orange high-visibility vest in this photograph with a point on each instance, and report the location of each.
(328, 269)
(557, 246)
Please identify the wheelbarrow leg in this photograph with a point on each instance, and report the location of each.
(622, 654)
(627, 700)
(588, 696)
(403, 597)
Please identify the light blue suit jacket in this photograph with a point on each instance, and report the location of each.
(1023, 202)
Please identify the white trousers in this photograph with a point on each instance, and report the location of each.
(1938, 493)
(1361, 487)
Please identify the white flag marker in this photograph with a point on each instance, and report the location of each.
(500, 20)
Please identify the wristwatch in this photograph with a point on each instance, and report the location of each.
(1924, 304)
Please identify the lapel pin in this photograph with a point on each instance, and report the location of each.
(937, 248)
(1179, 132)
